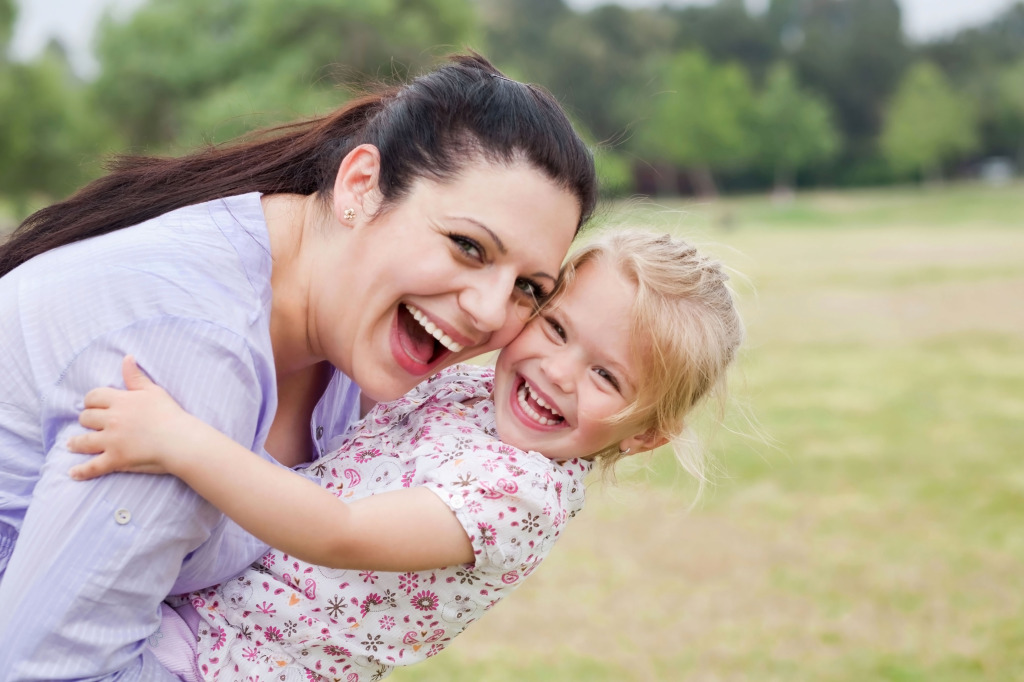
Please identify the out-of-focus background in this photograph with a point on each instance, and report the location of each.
(856, 160)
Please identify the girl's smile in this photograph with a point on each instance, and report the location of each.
(530, 407)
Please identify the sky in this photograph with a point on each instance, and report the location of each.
(72, 21)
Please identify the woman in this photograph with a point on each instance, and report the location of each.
(407, 231)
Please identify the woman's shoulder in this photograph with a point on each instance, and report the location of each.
(201, 262)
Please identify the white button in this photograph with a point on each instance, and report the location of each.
(457, 502)
(122, 516)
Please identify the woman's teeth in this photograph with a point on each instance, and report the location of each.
(526, 392)
(432, 329)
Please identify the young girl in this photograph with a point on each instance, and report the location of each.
(476, 470)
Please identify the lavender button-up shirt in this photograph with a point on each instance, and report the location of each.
(85, 565)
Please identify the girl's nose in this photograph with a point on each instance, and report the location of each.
(558, 368)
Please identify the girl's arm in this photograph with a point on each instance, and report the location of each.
(144, 430)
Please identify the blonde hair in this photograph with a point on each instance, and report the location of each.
(685, 332)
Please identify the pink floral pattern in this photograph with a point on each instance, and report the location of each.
(287, 620)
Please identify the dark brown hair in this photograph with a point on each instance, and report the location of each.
(429, 128)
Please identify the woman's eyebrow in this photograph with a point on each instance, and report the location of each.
(497, 240)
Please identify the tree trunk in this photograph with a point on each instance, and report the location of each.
(703, 181)
(665, 180)
(782, 192)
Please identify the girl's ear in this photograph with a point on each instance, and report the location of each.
(641, 442)
(356, 188)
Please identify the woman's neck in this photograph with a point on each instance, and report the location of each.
(288, 217)
(302, 376)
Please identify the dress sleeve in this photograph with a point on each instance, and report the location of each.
(512, 505)
(94, 559)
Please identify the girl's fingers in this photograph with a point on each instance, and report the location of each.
(134, 378)
(94, 419)
(90, 443)
(94, 468)
(99, 397)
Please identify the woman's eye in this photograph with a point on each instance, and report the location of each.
(468, 246)
(607, 376)
(530, 289)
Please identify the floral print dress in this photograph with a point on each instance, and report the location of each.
(284, 619)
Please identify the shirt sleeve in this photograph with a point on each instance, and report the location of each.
(94, 559)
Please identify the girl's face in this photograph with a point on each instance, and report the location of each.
(448, 273)
(557, 383)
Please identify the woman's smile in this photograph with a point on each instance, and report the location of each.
(419, 343)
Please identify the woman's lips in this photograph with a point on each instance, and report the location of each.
(434, 328)
(412, 348)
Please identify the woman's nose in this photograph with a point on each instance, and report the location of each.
(488, 302)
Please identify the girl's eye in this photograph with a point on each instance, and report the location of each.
(607, 376)
(555, 328)
(467, 246)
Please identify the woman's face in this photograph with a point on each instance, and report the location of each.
(448, 273)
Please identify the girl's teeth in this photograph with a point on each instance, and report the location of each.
(432, 329)
(540, 401)
(528, 409)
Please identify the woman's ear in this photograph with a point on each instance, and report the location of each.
(642, 442)
(356, 189)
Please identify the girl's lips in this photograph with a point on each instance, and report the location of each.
(517, 410)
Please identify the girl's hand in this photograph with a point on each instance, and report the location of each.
(137, 430)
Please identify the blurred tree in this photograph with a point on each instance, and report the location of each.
(50, 133)
(522, 33)
(585, 59)
(794, 128)
(984, 48)
(927, 123)
(851, 51)
(980, 63)
(8, 13)
(1007, 120)
(726, 32)
(184, 71)
(700, 121)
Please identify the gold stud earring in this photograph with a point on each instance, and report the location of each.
(350, 214)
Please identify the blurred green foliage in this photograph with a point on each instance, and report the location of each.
(927, 123)
(677, 99)
(700, 119)
(793, 128)
(181, 72)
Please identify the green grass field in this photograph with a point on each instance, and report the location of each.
(879, 534)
